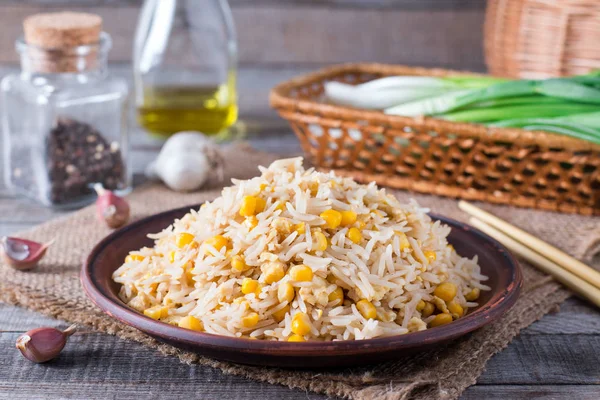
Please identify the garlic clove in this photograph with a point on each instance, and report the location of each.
(186, 160)
(186, 173)
(110, 208)
(22, 254)
(43, 344)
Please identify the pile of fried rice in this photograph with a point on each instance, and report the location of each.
(295, 255)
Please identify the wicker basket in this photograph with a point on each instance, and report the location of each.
(542, 38)
(510, 166)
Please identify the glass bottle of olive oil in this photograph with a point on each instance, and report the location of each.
(185, 67)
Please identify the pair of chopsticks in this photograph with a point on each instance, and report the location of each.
(580, 278)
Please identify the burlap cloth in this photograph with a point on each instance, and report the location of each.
(53, 289)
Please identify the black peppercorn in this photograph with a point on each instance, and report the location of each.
(79, 156)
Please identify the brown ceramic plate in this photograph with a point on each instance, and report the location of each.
(496, 262)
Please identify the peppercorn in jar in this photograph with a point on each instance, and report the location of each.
(64, 117)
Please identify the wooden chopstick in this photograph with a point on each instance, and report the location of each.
(548, 251)
(573, 282)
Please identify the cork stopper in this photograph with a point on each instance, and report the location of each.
(52, 41)
(62, 29)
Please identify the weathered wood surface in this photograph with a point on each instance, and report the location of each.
(443, 33)
(543, 362)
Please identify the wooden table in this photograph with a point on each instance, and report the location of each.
(557, 357)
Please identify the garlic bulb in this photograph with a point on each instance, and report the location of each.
(185, 161)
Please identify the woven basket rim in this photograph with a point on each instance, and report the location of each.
(331, 115)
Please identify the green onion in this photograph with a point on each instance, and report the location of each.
(591, 120)
(559, 88)
(428, 106)
(568, 90)
(568, 106)
(567, 131)
(552, 125)
(514, 101)
(393, 90)
(531, 110)
(377, 99)
(471, 81)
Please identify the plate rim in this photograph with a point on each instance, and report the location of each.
(489, 312)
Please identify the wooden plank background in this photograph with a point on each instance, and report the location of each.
(442, 33)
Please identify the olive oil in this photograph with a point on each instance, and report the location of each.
(169, 109)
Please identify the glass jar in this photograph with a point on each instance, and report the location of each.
(65, 125)
(185, 66)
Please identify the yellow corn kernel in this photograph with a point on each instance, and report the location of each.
(366, 309)
(348, 217)
(238, 263)
(354, 235)
(191, 322)
(301, 324)
(313, 187)
(250, 320)
(280, 206)
(455, 308)
(183, 239)
(440, 319)
(427, 310)
(445, 291)
(420, 305)
(157, 312)
(218, 242)
(260, 205)
(300, 228)
(404, 243)
(285, 292)
(273, 272)
(301, 273)
(252, 222)
(172, 257)
(320, 242)
(332, 218)
(133, 257)
(296, 338)
(473, 294)
(279, 315)
(248, 207)
(249, 285)
(263, 186)
(430, 255)
(337, 295)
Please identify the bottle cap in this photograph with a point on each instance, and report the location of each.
(62, 29)
(53, 38)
